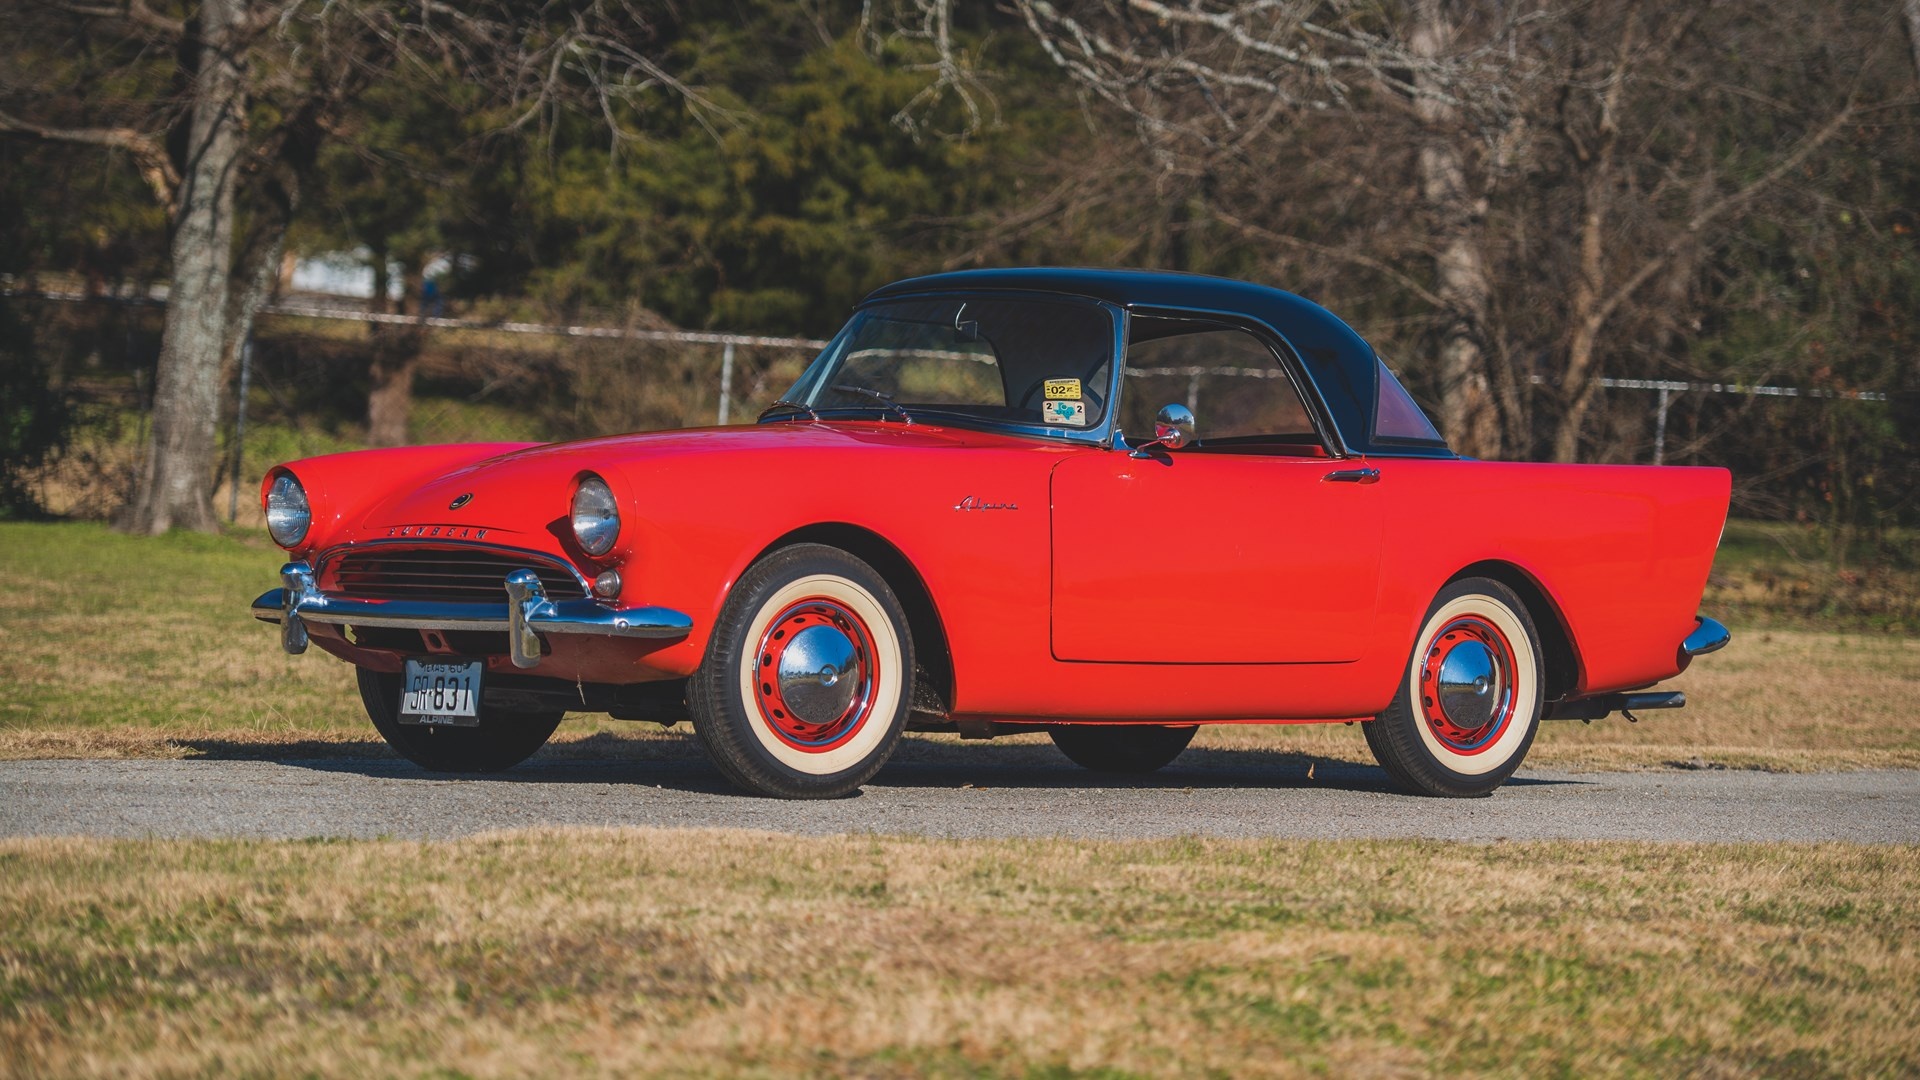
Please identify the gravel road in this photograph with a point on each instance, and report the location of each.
(944, 791)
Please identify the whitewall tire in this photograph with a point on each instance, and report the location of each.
(1471, 697)
(808, 677)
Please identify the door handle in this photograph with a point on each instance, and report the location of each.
(1353, 476)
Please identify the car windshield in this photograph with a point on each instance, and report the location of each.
(1033, 363)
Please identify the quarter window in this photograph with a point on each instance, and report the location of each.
(1395, 416)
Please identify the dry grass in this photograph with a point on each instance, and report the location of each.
(585, 952)
(700, 953)
(1779, 574)
(1787, 700)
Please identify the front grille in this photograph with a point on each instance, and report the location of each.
(447, 575)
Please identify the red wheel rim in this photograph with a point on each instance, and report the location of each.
(1467, 684)
(815, 673)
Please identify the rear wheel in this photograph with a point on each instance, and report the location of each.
(808, 678)
(501, 740)
(1117, 748)
(1470, 700)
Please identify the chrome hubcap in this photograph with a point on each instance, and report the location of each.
(1466, 684)
(1469, 685)
(819, 674)
(815, 673)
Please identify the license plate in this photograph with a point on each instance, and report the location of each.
(440, 693)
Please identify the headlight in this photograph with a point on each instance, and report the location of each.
(596, 518)
(287, 512)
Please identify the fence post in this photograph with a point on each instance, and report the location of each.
(1660, 428)
(240, 430)
(726, 382)
(1193, 391)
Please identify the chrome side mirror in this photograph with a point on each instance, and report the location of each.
(1172, 429)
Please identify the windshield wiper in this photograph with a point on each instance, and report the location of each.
(884, 399)
(784, 403)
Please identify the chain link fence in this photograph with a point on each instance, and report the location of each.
(309, 376)
(78, 378)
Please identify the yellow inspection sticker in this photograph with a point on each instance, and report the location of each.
(1063, 389)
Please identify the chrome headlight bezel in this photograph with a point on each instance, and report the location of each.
(289, 511)
(594, 515)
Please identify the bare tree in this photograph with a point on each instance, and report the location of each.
(1220, 76)
(238, 96)
(1462, 277)
(1647, 190)
(1549, 159)
(197, 185)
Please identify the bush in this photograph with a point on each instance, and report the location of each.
(35, 416)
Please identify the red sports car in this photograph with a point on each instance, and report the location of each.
(988, 507)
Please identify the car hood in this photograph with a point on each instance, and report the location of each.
(521, 498)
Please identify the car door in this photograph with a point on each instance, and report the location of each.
(1252, 545)
(1200, 559)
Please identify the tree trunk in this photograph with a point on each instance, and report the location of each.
(1468, 416)
(1581, 388)
(1589, 307)
(1913, 32)
(262, 264)
(176, 483)
(390, 400)
(1580, 381)
(396, 353)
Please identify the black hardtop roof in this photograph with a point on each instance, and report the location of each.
(1343, 367)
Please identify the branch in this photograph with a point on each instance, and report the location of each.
(148, 154)
(951, 73)
(1406, 281)
(1731, 201)
(590, 60)
(1374, 55)
(133, 11)
(1115, 72)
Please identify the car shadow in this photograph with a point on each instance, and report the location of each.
(675, 761)
(997, 765)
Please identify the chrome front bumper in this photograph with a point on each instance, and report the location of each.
(526, 615)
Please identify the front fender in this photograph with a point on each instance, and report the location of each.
(342, 487)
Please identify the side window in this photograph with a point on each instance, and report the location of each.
(1241, 396)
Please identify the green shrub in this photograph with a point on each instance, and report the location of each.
(35, 416)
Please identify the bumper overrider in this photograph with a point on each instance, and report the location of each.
(527, 614)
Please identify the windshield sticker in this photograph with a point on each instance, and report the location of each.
(1066, 412)
(1063, 390)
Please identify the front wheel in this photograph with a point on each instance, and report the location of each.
(501, 740)
(1117, 748)
(1470, 701)
(808, 677)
